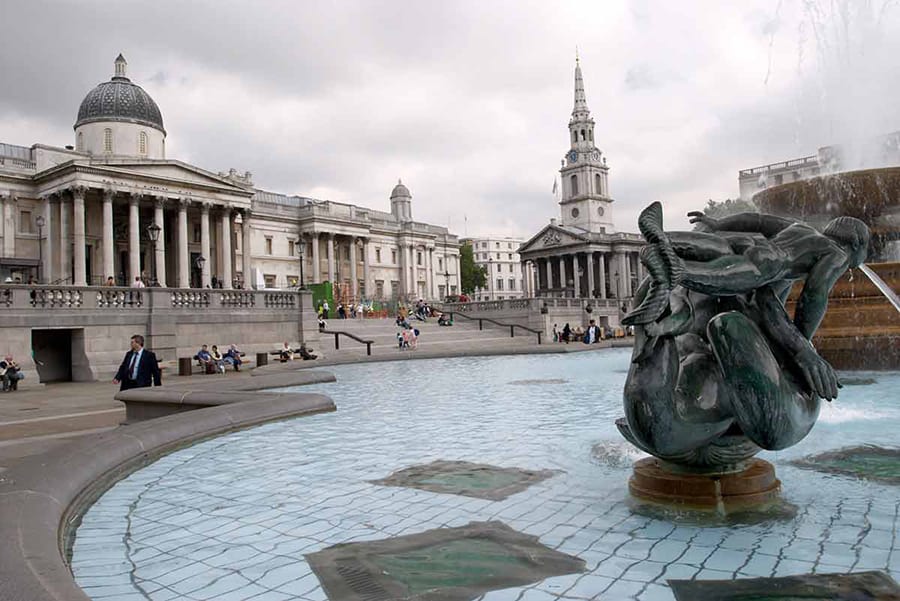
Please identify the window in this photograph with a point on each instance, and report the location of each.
(574, 182)
(418, 257)
(107, 140)
(291, 249)
(498, 256)
(484, 245)
(509, 245)
(378, 259)
(509, 256)
(270, 280)
(25, 222)
(379, 288)
(268, 245)
(441, 267)
(582, 135)
(142, 143)
(79, 143)
(497, 244)
(499, 283)
(574, 137)
(512, 284)
(510, 267)
(293, 280)
(598, 189)
(395, 288)
(394, 257)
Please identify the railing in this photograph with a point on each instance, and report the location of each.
(801, 162)
(20, 163)
(190, 298)
(237, 299)
(339, 333)
(512, 326)
(120, 298)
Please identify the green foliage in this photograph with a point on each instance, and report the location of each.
(472, 276)
(729, 206)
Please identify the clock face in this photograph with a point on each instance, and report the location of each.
(573, 156)
(600, 211)
(574, 212)
(595, 156)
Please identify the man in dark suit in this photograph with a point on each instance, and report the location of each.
(140, 368)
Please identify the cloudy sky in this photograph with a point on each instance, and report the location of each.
(468, 101)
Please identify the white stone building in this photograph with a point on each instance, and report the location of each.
(500, 258)
(81, 214)
(580, 254)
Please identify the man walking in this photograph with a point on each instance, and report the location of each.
(139, 369)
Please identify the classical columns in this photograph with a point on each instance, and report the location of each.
(184, 268)
(368, 288)
(429, 272)
(413, 272)
(205, 280)
(47, 267)
(65, 244)
(590, 272)
(404, 272)
(160, 245)
(225, 249)
(109, 262)
(575, 277)
(562, 274)
(9, 224)
(246, 257)
(354, 282)
(316, 261)
(329, 251)
(602, 275)
(134, 239)
(78, 193)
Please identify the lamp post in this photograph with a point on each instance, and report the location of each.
(446, 284)
(40, 222)
(200, 261)
(490, 278)
(301, 251)
(153, 232)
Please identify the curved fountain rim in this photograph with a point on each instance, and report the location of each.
(43, 497)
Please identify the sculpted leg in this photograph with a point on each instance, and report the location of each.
(766, 402)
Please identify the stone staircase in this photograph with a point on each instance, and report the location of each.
(462, 336)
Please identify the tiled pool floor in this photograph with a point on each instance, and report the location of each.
(231, 518)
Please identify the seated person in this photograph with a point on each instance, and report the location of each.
(306, 353)
(322, 324)
(233, 356)
(205, 360)
(285, 353)
(444, 320)
(218, 359)
(10, 374)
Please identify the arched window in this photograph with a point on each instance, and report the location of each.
(107, 140)
(598, 189)
(574, 181)
(142, 143)
(79, 141)
(591, 135)
(574, 136)
(582, 135)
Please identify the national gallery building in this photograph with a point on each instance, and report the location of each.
(581, 255)
(112, 205)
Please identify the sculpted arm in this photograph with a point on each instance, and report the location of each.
(767, 225)
(813, 300)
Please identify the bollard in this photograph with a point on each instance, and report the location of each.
(337, 345)
(184, 366)
(262, 359)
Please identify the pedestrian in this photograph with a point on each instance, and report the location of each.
(140, 368)
(325, 309)
(138, 282)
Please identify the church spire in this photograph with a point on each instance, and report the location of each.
(581, 110)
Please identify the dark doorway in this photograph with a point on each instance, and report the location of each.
(122, 279)
(52, 352)
(196, 272)
(89, 263)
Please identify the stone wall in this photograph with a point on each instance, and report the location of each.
(83, 333)
(543, 313)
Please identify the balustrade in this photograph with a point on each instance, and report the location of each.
(121, 298)
(67, 298)
(237, 299)
(280, 300)
(190, 299)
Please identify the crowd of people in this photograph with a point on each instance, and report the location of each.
(213, 361)
(593, 333)
(10, 374)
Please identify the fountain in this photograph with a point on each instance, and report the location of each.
(861, 329)
(719, 371)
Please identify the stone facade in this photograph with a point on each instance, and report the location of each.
(82, 214)
(499, 256)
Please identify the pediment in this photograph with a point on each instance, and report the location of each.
(177, 171)
(552, 236)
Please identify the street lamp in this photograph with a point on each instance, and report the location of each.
(153, 232)
(200, 261)
(446, 284)
(40, 222)
(490, 277)
(301, 251)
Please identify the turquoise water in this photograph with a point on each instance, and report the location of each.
(231, 518)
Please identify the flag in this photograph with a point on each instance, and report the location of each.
(554, 186)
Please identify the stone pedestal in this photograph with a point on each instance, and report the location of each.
(751, 488)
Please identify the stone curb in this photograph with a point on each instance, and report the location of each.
(42, 497)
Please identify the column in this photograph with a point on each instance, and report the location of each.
(354, 282)
(109, 251)
(159, 250)
(562, 275)
(246, 256)
(367, 285)
(78, 193)
(590, 271)
(412, 270)
(329, 253)
(46, 241)
(458, 275)
(316, 262)
(640, 270)
(205, 280)
(225, 245)
(9, 224)
(404, 271)
(184, 267)
(429, 273)
(602, 275)
(626, 277)
(65, 242)
(134, 239)
(575, 277)
(622, 284)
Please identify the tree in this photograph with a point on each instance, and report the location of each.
(472, 276)
(729, 206)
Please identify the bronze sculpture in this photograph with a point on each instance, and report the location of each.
(719, 370)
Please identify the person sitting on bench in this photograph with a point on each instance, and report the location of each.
(306, 353)
(285, 353)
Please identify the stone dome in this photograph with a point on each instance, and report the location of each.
(400, 191)
(120, 100)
